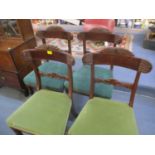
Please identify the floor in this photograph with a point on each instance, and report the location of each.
(146, 80)
(11, 99)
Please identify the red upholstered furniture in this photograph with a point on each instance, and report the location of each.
(103, 23)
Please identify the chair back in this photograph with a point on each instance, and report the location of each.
(99, 34)
(55, 32)
(115, 57)
(50, 53)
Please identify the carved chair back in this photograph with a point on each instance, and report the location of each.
(98, 34)
(115, 57)
(55, 32)
(50, 53)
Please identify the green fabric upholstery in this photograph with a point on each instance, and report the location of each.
(46, 82)
(104, 117)
(46, 112)
(81, 81)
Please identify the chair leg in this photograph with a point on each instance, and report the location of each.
(73, 111)
(66, 91)
(26, 92)
(31, 90)
(17, 132)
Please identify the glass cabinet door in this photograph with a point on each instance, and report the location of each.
(9, 28)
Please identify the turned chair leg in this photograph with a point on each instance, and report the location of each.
(17, 132)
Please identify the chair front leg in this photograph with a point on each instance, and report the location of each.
(17, 132)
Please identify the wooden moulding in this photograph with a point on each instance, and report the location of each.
(53, 75)
(114, 82)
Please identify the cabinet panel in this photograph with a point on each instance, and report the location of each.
(15, 36)
(9, 79)
(25, 27)
(18, 56)
(6, 62)
(9, 28)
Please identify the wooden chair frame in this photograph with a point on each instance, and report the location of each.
(110, 56)
(35, 55)
(100, 34)
(55, 32)
(118, 51)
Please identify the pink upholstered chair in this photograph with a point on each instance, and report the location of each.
(108, 24)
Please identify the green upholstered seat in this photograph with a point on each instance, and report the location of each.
(81, 81)
(104, 117)
(46, 112)
(46, 82)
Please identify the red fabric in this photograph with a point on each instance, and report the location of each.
(103, 23)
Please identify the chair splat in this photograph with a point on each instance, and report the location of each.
(114, 56)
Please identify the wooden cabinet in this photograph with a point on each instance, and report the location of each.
(13, 66)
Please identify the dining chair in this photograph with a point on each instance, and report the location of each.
(108, 24)
(45, 112)
(102, 116)
(81, 77)
(56, 32)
